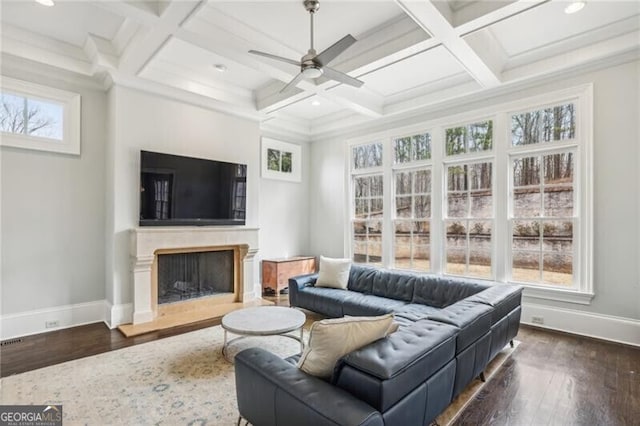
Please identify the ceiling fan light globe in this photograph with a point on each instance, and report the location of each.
(312, 72)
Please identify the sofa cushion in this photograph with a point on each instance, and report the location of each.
(473, 320)
(394, 285)
(441, 292)
(361, 278)
(327, 301)
(385, 371)
(414, 311)
(358, 304)
(331, 339)
(333, 273)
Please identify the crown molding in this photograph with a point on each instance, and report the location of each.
(26, 69)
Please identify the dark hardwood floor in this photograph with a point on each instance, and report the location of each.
(552, 378)
(559, 379)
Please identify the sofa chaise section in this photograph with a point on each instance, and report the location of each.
(272, 391)
(450, 328)
(407, 376)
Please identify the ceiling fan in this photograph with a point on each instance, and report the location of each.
(314, 65)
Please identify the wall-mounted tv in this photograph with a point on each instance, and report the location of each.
(177, 191)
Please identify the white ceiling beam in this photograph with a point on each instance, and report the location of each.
(160, 22)
(429, 18)
(489, 49)
(384, 45)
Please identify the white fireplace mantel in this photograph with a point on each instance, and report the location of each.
(146, 241)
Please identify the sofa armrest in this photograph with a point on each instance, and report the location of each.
(296, 283)
(504, 298)
(272, 391)
(303, 280)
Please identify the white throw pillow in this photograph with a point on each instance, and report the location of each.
(331, 339)
(333, 273)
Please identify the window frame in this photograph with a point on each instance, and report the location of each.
(488, 157)
(500, 156)
(70, 101)
(355, 173)
(408, 166)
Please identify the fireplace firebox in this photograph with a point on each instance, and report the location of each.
(185, 276)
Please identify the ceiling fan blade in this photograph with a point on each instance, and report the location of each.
(277, 58)
(330, 53)
(292, 83)
(341, 77)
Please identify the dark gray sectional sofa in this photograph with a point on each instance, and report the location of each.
(450, 328)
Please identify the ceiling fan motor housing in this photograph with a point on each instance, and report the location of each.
(309, 67)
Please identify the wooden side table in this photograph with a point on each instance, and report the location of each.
(276, 272)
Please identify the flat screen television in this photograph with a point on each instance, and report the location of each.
(177, 191)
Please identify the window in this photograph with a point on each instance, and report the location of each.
(542, 198)
(412, 197)
(39, 117)
(501, 194)
(469, 219)
(366, 222)
(474, 137)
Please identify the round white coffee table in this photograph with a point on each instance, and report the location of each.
(263, 321)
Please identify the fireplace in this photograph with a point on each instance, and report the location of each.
(149, 245)
(186, 276)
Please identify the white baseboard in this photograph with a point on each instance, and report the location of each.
(34, 322)
(605, 327)
(116, 315)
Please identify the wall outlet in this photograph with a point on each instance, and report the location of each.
(537, 320)
(52, 324)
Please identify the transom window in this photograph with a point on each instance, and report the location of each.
(39, 117)
(24, 116)
(504, 197)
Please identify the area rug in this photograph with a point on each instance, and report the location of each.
(179, 380)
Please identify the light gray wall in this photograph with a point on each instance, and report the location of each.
(284, 217)
(53, 216)
(149, 122)
(616, 186)
(327, 203)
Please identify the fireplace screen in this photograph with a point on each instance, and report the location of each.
(184, 276)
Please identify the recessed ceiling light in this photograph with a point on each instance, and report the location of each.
(315, 102)
(574, 7)
(220, 67)
(47, 3)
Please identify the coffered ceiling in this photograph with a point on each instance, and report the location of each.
(410, 54)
